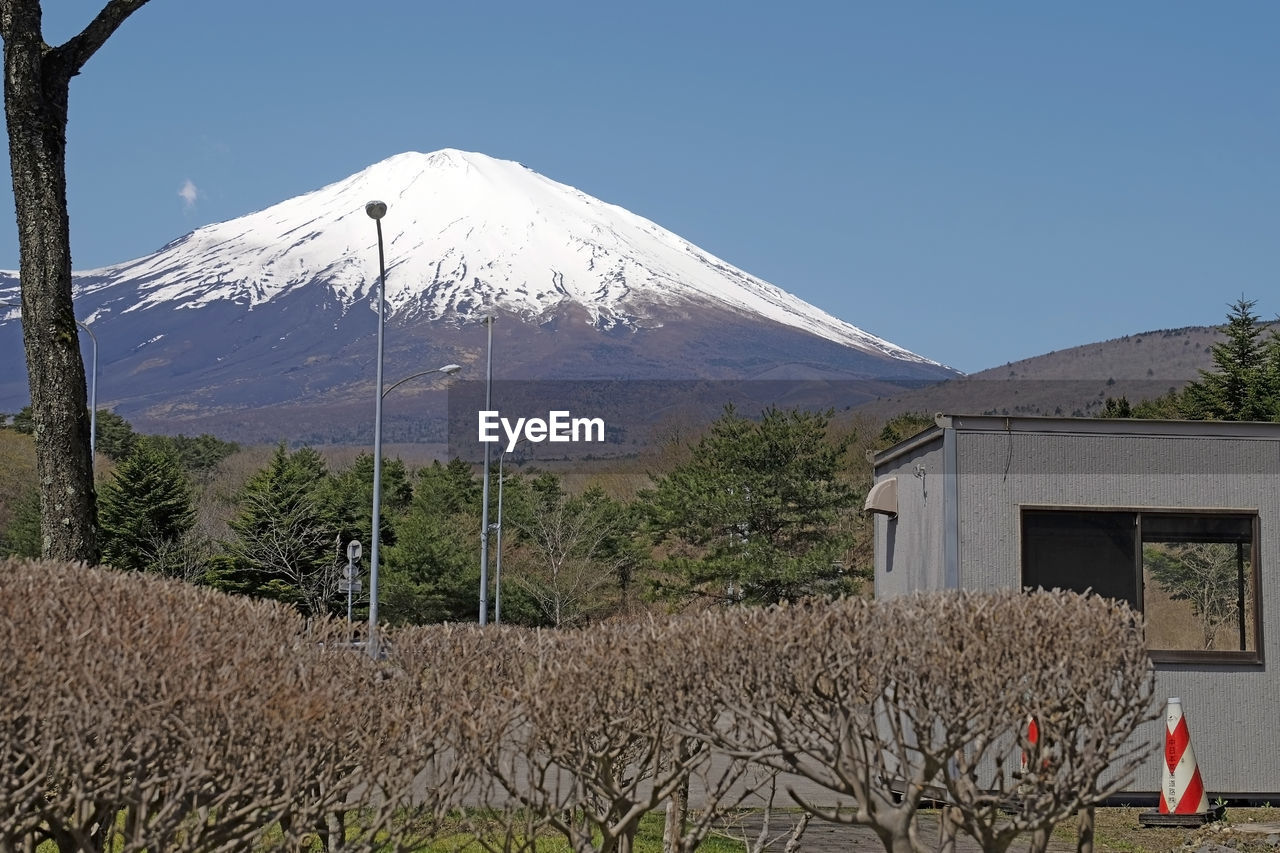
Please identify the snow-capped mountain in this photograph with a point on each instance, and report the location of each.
(276, 307)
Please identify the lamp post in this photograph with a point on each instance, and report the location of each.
(497, 560)
(93, 385)
(484, 507)
(376, 210)
(93, 396)
(447, 369)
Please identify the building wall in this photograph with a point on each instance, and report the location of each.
(1231, 710)
(908, 548)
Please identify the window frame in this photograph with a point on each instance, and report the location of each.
(1253, 573)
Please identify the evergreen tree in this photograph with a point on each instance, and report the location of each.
(1270, 376)
(755, 514)
(902, 426)
(145, 509)
(1167, 407)
(22, 537)
(115, 437)
(23, 422)
(1116, 407)
(289, 541)
(200, 454)
(432, 566)
(1243, 385)
(352, 497)
(1206, 575)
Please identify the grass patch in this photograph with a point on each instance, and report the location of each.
(1117, 830)
(453, 838)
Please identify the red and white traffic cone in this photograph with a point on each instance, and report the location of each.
(1033, 738)
(1181, 790)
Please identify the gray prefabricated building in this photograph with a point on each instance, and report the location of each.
(1181, 518)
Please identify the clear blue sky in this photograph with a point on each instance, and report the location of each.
(978, 182)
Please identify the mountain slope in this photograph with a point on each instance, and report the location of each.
(278, 308)
(465, 233)
(1074, 381)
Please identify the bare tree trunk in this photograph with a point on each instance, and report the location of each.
(1084, 836)
(37, 81)
(626, 842)
(105, 837)
(334, 832)
(797, 833)
(947, 827)
(673, 827)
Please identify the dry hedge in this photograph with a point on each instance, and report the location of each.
(173, 717)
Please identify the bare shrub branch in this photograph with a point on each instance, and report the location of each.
(891, 702)
(205, 719)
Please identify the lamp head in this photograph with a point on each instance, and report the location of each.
(376, 209)
(451, 368)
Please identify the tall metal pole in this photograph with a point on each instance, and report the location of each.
(350, 593)
(497, 558)
(484, 509)
(93, 394)
(497, 562)
(376, 211)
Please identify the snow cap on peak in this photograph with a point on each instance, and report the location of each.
(464, 233)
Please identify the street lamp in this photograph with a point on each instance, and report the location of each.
(484, 506)
(447, 369)
(93, 385)
(376, 210)
(93, 395)
(497, 562)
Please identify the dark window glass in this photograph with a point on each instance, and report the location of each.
(1193, 575)
(1081, 550)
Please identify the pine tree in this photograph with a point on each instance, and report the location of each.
(352, 497)
(288, 541)
(755, 514)
(200, 454)
(1243, 386)
(903, 426)
(145, 509)
(1116, 407)
(1169, 406)
(432, 567)
(1206, 575)
(23, 421)
(115, 435)
(22, 537)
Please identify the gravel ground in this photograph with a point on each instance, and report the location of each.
(825, 837)
(1117, 829)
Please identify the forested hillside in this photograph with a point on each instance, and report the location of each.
(756, 509)
(753, 508)
(1073, 382)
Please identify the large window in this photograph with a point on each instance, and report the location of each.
(1194, 574)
